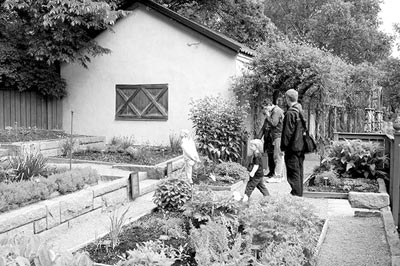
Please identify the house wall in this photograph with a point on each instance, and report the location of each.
(147, 48)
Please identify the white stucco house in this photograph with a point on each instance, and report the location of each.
(159, 62)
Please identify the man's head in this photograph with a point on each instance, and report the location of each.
(291, 96)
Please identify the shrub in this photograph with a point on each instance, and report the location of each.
(27, 165)
(219, 126)
(16, 194)
(231, 169)
(123, 142)
(286, 228)
(172, 194)
(357, 159)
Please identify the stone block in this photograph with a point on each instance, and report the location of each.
(53, 214)
(115, 198)
(22, 216)
(50, 145)
(26, 230)
(104, 188)
(75, 204)
(369, 200)
(40, 226)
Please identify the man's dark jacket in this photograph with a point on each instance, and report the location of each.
(292, 132)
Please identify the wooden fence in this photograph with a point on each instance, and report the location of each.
(29, 109)
(391, 146)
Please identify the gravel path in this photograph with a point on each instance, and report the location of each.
(354, 241)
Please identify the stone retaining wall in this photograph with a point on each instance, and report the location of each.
(370, 200)
(53, 147)
(48, 214)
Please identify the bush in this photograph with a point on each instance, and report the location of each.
(172, 194)
(219, 126)
(286, 229)
(231, 169)
(357, 159)
(16, 194)
(25, 166)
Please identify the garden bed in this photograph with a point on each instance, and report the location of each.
(30, 134)
(176, 230)
(220, 186)
(141, 155)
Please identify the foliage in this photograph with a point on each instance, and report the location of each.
(358, 159)
(231, 169)
(391, 82)
(172, 226)
(243, 21)
(285, 227)
(115, 228)
(31, 251)
(347, 28)
(215, 245)
(16, 194)
(68, 146)
(284, 65)
(36, 35)
(172, 194)
(18, 134)
(219, 127)
(207, 205)
(152, 253)
(123, 142)
(27, 165)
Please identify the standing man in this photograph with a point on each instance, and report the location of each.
(292, 143)
(272, 131)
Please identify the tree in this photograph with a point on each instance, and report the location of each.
(242, 20)
(347, 28)
(391, 82)
(37, 35)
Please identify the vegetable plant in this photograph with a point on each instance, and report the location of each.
(172, 194)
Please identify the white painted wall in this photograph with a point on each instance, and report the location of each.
(147, 48)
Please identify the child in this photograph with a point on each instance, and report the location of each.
(256, 173)
(190, 154)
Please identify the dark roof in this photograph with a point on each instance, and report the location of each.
(217, 37)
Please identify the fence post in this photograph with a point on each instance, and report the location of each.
(395, 176)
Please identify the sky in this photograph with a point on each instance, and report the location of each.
(390, 14)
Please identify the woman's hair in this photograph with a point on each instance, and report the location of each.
(258, 143)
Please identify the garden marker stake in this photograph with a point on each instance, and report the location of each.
(70, 152)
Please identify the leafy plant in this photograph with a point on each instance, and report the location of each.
(284, 225)
(216, 245)
(234, 170)
(31, 251)
(172, 194)
(207, 205)
(68, 146)
(152, 253)
(27, 165)
(115, 227)
(356, 159)
(123, 142)
(219, 127)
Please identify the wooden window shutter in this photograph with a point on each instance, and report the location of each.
(142, 102)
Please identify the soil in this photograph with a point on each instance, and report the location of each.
(146, 156)
(134, 234)
(346, 185)
(26, 134)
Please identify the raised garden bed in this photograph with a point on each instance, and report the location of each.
(173, 229)
(55, 211)
(220, 186)
(374, 197)
(141, 155)
(29, 134)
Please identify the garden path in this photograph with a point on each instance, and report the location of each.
(350, 241)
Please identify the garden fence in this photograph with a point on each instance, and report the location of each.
(391, 146)
(29, 109)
